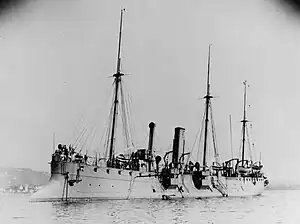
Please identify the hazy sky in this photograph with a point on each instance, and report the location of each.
(56, 56)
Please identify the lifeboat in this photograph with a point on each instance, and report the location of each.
(243, 170)
(257, 167)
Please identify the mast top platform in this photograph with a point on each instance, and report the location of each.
(118, 75)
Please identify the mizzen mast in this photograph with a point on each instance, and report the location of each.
(244, 121)
(207, 104)
(117, 81)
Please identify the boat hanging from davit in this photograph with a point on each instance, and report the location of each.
(141, 173)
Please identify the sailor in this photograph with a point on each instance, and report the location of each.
(72, 157)
(117, 163)
(191, 165)
(186, 168)
(143, 168)
(211, 169)
(66, 151)
(63, 157)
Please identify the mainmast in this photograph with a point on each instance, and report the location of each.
(207, 104)
(117, 81)
(244, 121)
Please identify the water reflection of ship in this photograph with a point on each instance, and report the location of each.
(141, 173)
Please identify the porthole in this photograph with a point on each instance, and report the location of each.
(130, 173)
(107, 171)
(90, 184)
(119, 172)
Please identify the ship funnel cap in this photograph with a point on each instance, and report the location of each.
(151, 125)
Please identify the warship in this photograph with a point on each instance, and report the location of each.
(248, 171)
(141, 172)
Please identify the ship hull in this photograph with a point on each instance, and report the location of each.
(110, 183)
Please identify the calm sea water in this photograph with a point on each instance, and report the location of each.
(271, 207)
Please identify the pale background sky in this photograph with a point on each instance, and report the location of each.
(56, 56)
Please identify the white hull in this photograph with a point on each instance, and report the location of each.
(126, 184)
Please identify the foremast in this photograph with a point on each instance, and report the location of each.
(208, 98)
(117, 81)
(244, 122)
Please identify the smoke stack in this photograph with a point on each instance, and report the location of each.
(178, 145)
(150, 144)
(157, 160)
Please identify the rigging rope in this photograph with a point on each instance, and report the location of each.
(156, 142)
(85, 135)
(214, 137)
(77, 127)
(130, 123)
(77, 142)
(249, 144)
(79, 136)
(124, 117)
(253, 144)
(241, 143)
(193, 147)
(90, 135)
(108, 133)
(92, 139)
(107, 127)
(201, 135)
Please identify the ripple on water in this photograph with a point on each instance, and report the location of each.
(272, 207)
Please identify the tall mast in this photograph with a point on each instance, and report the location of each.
(207, 103)
(120, 42)
(117, 81)
(244, 121)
